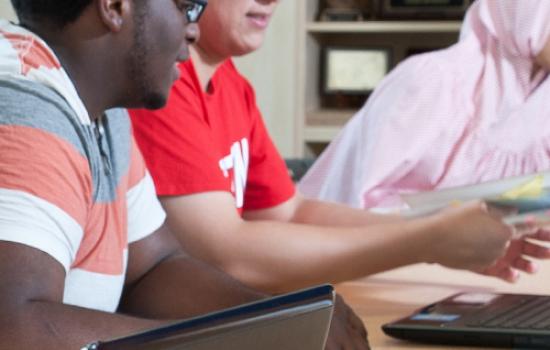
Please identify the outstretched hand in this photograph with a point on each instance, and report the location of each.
(469, 236)
(347, 331)
(519, 255)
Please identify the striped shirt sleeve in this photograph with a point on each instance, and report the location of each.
(45, 191)
(145, 214)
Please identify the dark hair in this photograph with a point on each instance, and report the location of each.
(56, 12)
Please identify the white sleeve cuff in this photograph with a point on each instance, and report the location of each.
(34, 222)
(145, 213)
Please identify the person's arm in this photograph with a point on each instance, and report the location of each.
(301, 210)
(279, 256)
(518, 258)
(33, 316)
(162, 284)
(180, 286)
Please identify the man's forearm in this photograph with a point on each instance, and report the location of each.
(269, 252)
(279, 248)
(181, 286)
(52, 326)
(315, 212)
(177, 288)
(280, 256)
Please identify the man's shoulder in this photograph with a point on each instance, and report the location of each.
(21, 94)
(28, 104)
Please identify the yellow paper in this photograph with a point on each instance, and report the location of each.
(530, 189)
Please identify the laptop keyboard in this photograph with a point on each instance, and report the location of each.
(532, 313)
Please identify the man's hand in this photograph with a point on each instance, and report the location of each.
(517, 256)
(347, 331)
(469, 236)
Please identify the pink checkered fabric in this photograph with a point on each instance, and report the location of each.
(476, 111)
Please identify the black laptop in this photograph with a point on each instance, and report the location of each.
(480, 319)
(295, 321)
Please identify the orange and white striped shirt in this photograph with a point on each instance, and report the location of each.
(73, 189)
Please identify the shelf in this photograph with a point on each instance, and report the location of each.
(385, 27)
(316, 124)
(329, 117)
(324, 124)
(321, 134)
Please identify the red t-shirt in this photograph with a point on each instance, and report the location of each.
(213, 141)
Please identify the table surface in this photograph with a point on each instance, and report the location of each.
(387, 296)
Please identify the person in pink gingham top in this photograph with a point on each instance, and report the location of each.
(476, 111)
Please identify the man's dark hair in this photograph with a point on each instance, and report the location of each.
(55, 12)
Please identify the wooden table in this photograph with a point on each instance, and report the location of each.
(390, 295)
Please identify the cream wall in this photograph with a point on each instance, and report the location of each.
(6, 11)
(272, 71)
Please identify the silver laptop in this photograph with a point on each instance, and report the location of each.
(295, 321)
(482, 319)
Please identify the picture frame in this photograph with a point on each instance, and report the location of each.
(353, 70)
(421, 9)
(344, 10)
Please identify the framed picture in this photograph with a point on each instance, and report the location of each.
(353, 70)
(422, 9)
(344, 10)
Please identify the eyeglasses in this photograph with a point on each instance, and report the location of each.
(194, 9)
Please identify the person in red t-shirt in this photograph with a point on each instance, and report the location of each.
(213, 141)
(209, 153)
